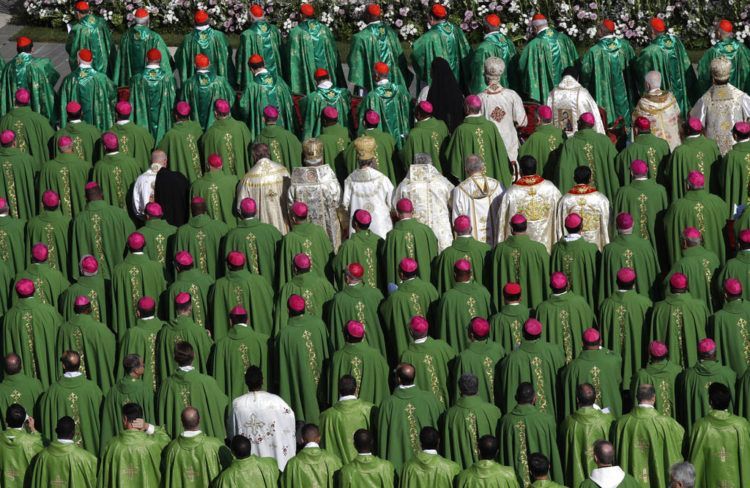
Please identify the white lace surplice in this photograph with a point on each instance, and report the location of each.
(318, 187)
(719, 109)
(535, 198)
(478, 197)
(369, 189)
(569, 100)
(267, 183)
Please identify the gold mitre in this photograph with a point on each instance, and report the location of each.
(366, 148)
(312, 150)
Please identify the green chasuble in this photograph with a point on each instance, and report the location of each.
(363, 247)
(718, 448)
(49, 282)
(37, 75)
(692, 390)
(78, 398)
(429, 136)
(494, 45)
(646, 201)
(700, 266)
(310, 46)
(455, 310)
(17, 449)
(478, 135)
(131, 57)
(545, 145)
(542, 62)
(312, 466)
(256, 471)
(729, 328)
(589, 148)
(400, 419)
(580, 261)
(377, 42)
(736, 52)
(218, 190)
(133, 458)
(310, 239)
(520, 260)
(66, 464)
(433, 360)
(480, 358)
(578, 433)
(507, 325)
(367, 365)
(94, 91)
(339, 423)
(743, 396)
(6, 279)
(237, 351)
(29, 330)
(230, 139)
(201, 237)
(666, 54)
(159, 235)
(12, 232)
(317, 292)
(136, 277)
(366, 471)
(135, 141)
(214, 44)
(263, 38)
(93, 288)
(523, 430)
(52, 228)
(201, 91)
(197, 284)
(443, 40)
(313, 104)
(192, 462)
(646, 147)
(463, 247)
(393, 102)
(152, 93)
(599, 367)
(85, 138)
(92, 33)
(21, 389)
(487, 474)
(606, 72)
(67, 176)
(191, 388)
(116, 173)
(262, 90)
(181, 329)
(33, 132)
(564, 317)
(734, 177)
(622, 316)
(679, 321)
(181, 145)
(258, 241)
(696, 153)
(470, 418)
(335, 139)
(629, 251)
(428, 469)
(303, 351)
(546, 484)
(409, 238)
(699, 209)
(142, 340)
(739, 268)
(385, 154)
(17, 183)
(663, 376)
(413, 297)
(285, 148)
(356, 302)
(126, 390)
(648, 444)
(96, 345)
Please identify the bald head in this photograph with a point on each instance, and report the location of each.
(604, 453)
(191, 419)
(405, 374)
(12, 364)
(474, 165)
(71, 361)
(159, 157)
(653, 80)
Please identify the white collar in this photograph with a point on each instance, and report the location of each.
(65, 441)
(572, 237)
(693, 136)
(406, 387)
(186, 368)
(542, 29)
(609, 477)
(202, 71)
(81, 64)
(123, 122)
(138, 253)
(421, 340)
(640, 178)
(191, 433)
(202, 27)
(472, 115)
(513, 304)
(373, 22)
(72, 374)
(559, 294)
(490, 34)
(239, 324)
(113, 153)
(347, 398)
(312, 444)
(261, 71)
(384, 81)
(325, 84)
(364, 454)
(645, 405)
(430, 451)
(153, 65)
(148, 318)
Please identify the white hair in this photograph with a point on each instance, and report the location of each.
(422, 158)
(683, 473)
(473, 164)
(653, 80)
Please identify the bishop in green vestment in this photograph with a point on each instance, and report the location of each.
(429, 135)
(63, 461)
(201, 236)
(218, 189)
(544, 144)
(17, 387)
(464, 247)
(92, 33)
(92, 89)
(141, 340)
(52, 229)
(347, 415)
(135, 140)
(115, 172)
(494, 44)
(648, 443)
(160, 234)
(130, 388)
(136, 46)
(392, 102)
(507, 324)
(17, 181)
(734, 177)
(189, 279)
(182, 328)
(90, 284)
(579, 431)
(470, 418)
(12, 230)
(699, 265)
(362, 246)
(487, 472)
(696, 153)
(66, 176)
(366, 469)
(445, 40)
(19, 445)
(315, 289)
(729, 47)
(313, 465)
(409, 239)
(427, 466)
(527, 423)
(324, 94)
(459, 305)
(153, 90)
(76, 396)
(309, 48)
(335, 139)
(262, 472)
(180, 143)
(33, 130)
(265, 89)
(661, 373)
(50, 282)
(188, 387)
(227, 138)
(667, 55)
(646, 147)
(303, 351)
(739, 266)
(263, 38)
(544, 59)
(33, 73)
(304, 237)
(579, 260)
(84, 136)
(134, 455)
(729, 327)
(204, 40)
(479, 358)
(203, 89)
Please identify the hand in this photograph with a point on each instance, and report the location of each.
(30, 424)
(138, 424)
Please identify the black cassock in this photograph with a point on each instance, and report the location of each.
(172, 192)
